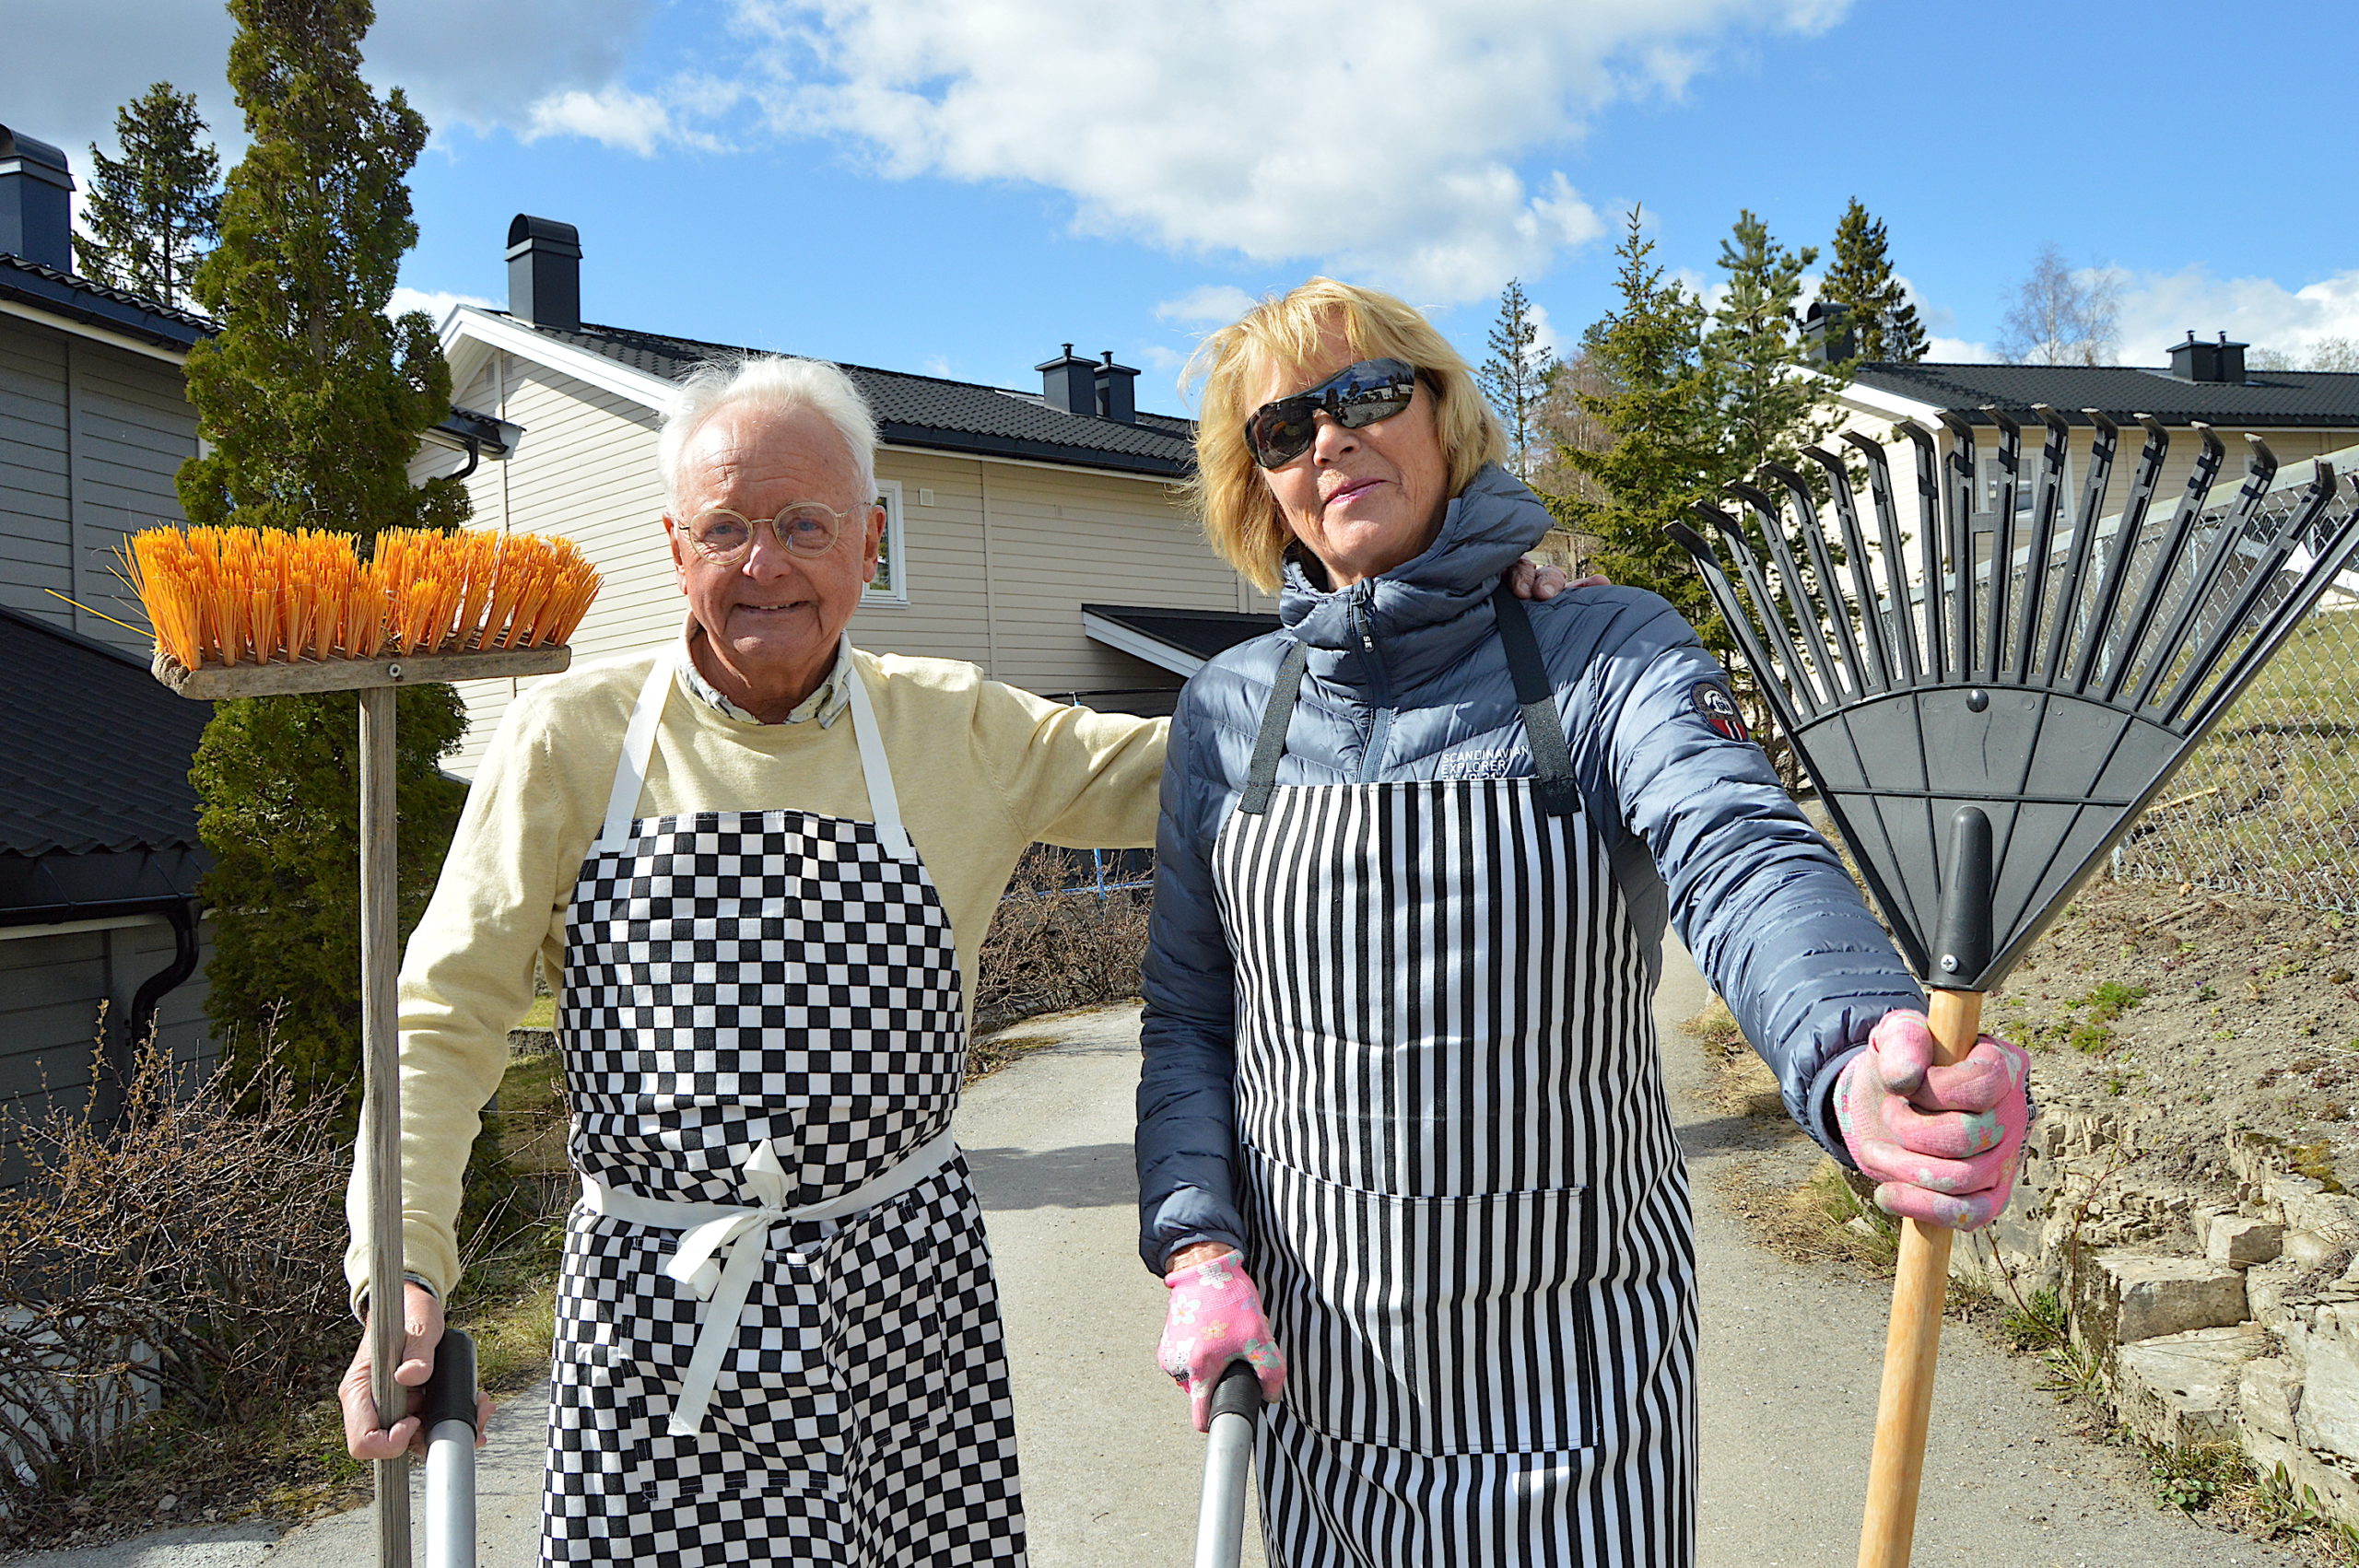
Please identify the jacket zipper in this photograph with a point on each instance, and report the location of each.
(1380, 726)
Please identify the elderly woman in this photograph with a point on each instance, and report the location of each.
(1416, 854)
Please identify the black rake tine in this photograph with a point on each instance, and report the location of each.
(2084, 528)
(1796, 677)
(1896, 568)
(2260, 468)
(2125, 548)
(2042, 539)
(1873, 619)
(2002, 542)
(1773, 532)
(1830, 588)
(2335, 556)
(1774, 688)
(2275, 549)
(1928, 545)
(1957, 520)
(2166, 564)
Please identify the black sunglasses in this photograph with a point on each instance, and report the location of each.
(1356, 395)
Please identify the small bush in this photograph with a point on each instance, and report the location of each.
(1050, 947)
(180, 1266)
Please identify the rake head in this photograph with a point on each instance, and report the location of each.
(2048, 662)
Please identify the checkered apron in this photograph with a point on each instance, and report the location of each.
(778, 1335)
(1468, 1214)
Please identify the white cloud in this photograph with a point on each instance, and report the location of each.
(1216, 303)
(1381, 143)
(436, 303)
(2159, 310)
(1959, 351)
(616, 116)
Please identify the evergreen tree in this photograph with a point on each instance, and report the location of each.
(151, 212)
(1860, 280)
(1773, 398)
(312, 403)
(1656, 409)
(1516, 377)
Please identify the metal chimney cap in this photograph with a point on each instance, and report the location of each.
(545, 235)
(20, 154)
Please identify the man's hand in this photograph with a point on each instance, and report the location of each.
(1943, 1143)
(363, 1438)
(1529, 579)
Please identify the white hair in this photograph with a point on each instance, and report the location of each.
(774, 381)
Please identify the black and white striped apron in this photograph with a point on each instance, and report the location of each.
(1465, 1207)
(778, 1335)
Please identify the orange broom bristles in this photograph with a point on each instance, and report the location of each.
(255, 596)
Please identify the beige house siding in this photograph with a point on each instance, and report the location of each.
(997, 556)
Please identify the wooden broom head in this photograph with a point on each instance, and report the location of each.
(231, 596)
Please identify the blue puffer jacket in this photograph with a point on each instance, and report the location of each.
(1408, 681)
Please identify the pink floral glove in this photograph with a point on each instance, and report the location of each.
(1216, 1318)
(1943, 1142)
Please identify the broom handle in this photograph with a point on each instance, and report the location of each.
(380, 1109)
(1914, 1339)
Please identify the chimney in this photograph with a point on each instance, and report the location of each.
(1070, 384)
(544, 272)
(36, 209)
(1115, 399)
(2221, 361)
(1828, 333)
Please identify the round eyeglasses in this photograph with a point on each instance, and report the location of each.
(803, 528)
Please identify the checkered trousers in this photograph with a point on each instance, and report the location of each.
(732, 977)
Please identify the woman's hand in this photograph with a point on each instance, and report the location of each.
(1943, 1142)
(1529, 579)
(363, 1438)
(1215, 1318)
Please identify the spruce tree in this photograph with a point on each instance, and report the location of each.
(1859, 280)
(313, 401)
(1516, 377)
(1773, 396)
(1655, 404)
(151, 212)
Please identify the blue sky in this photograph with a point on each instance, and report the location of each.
(960, 188)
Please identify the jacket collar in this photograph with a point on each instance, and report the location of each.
(1426, 613)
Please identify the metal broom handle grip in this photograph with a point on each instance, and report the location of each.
(1961, 951)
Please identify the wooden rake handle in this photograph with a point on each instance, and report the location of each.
(1915, 1337)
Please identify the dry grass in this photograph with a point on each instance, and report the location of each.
(1049, 950)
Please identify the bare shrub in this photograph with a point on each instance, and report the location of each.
(185, 1258)
(1052, 946)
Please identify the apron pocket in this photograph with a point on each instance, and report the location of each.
(1458, 1325)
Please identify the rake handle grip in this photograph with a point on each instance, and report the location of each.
(1914, 1339)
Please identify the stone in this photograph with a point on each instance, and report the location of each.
(2331, 1214)
(2266, 1295)
(2309, 1249)
(2182, 1389)
(2123, 1298)
(2241, 1240)
(2324, 1346)
(2269, 1391)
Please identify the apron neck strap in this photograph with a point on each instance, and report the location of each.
(639, 746)
(1270, 745)
(883, 803)
(1543, 730)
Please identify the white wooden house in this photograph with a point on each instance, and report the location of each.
(1036, 533)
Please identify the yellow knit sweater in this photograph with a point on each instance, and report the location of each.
(981, 769)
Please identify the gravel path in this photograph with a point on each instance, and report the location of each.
(1111, 1469)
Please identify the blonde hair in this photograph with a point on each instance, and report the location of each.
(1234, 503)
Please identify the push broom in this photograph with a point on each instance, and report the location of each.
(242, 612)
(1985, 717)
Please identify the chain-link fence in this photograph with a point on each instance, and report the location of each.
(2269, 804)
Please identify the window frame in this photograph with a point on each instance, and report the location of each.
(892, 587)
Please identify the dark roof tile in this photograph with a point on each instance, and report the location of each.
(2266, 400)
(86, 299)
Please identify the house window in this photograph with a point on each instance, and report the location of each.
(891, 586)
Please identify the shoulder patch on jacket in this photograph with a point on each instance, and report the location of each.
(1718, 710)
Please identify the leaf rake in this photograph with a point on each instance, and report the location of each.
(1985, 716)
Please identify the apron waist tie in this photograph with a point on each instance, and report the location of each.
(709, 1227)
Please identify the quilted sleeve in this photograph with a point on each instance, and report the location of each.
(1760, 900)
(1187, 1101)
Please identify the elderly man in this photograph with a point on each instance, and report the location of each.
(760, 864)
